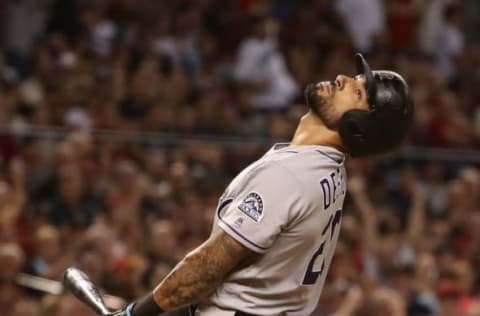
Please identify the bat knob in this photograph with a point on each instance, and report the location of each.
(83, 288)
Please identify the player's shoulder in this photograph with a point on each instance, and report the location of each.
(300, 165)
(306, 158)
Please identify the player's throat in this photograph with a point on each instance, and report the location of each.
(312, 131)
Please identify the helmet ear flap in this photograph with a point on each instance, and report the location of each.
(353, 130)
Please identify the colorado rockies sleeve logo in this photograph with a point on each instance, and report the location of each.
(252, 206)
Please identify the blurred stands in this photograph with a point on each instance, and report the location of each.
(121, 122)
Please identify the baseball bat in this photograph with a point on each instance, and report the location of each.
(83, 288)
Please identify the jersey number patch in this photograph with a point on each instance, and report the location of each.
(312, 274)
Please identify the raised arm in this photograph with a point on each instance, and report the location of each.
(10, 210)
(351, 302)
(416, 216)
(356, 187)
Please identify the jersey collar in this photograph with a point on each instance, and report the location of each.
(326, 151)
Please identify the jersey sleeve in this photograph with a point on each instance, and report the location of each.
(264, 204)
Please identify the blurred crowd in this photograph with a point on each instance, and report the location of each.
(78, 78)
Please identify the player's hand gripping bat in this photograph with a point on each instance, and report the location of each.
(84, 289)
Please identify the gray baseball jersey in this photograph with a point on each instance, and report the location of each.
(287, 207)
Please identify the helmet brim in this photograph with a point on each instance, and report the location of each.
(363, 68)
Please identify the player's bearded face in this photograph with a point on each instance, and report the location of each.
(322, 104)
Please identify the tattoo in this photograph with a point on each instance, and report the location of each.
(201, 271)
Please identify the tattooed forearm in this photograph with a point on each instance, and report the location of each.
(200, 272)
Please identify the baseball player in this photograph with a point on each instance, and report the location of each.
(278, 221)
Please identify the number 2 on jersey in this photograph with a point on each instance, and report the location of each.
(311, 276)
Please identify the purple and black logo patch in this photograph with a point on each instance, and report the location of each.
(252, 206)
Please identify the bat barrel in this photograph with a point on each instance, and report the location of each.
(84, 289)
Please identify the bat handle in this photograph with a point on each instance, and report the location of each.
(84, 289)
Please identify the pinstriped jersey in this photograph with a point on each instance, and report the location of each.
(286, 206)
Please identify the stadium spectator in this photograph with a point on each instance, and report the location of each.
(450, 42)
(364, 20)
(261, 67)
(102, 165)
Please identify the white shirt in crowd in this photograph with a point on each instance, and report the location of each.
(364, 19)
(258, 61)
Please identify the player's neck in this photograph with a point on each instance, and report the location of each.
(312, 131)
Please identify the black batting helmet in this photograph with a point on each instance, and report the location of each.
(386, 124)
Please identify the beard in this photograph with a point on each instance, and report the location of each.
(321, 107)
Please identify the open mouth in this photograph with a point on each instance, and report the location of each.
(327, 87)
(324, 86)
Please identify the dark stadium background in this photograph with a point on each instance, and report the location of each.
(121, 122)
